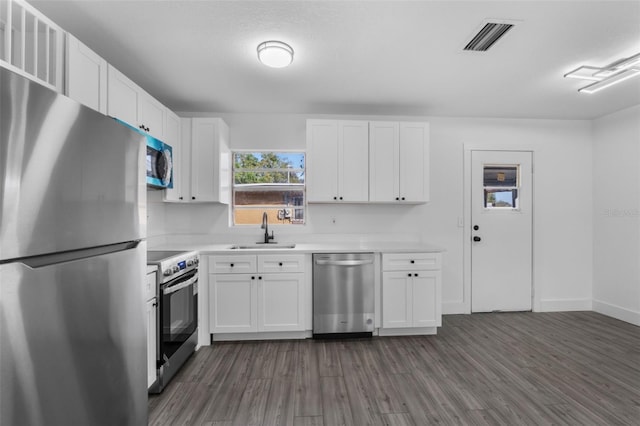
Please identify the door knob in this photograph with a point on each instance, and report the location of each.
(476, 238)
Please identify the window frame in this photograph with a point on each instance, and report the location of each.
(302, 187)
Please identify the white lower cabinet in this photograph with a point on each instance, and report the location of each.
(411, 286)
(152, 335)
(248, 294)
(152, 341)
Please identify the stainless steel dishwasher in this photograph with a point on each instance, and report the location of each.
(343, 294)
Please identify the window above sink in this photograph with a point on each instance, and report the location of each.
(271, 182)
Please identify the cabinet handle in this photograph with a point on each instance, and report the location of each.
(141, 126)
(408, 275)
(340, 198)
(193, 198)
(335, 198)
(397, 198)
(179, 198)
(280, 264)
(402, 198)
(253, 278)
(415, 275)
(231, 265)
(413, 261)
(259, 278)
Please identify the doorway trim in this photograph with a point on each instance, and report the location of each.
(466, 202)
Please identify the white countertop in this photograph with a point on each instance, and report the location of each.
(342, 247)
(151, 269)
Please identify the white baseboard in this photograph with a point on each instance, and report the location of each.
(453, 308)
(561, 305)
(617, 312)
(279, 335)
(417, 331)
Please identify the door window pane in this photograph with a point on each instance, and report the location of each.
(501, 185)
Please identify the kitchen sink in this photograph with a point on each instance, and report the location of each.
(261, 246)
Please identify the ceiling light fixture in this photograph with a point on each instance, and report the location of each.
(609, 81)
(613, 73)
(275, 54)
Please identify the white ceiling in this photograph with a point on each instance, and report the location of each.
(363, 57)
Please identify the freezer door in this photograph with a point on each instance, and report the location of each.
(69, 176)
(73, 341)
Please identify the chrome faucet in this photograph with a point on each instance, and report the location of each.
(265, 226)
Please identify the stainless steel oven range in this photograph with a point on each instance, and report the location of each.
(177, 321)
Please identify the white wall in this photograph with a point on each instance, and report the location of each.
(616, 256)
(563, 202)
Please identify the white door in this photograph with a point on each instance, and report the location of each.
(86, 75)
(414, 162)
(353, 160)
(233, 303)
(322, 160)
(397, 294)
(501, 221)
(280, 302)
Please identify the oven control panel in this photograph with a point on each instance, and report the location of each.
(179, 265)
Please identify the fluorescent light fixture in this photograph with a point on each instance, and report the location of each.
(617, 78)
(275, 54)
(585, 73)
(613, 73)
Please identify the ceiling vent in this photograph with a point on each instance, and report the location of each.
(488, 35)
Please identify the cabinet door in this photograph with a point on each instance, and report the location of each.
(232, 303)
(151, 115)
(322, 160)
(426, 300)
(172, 137)
(210, 161)
(280, 302)
(203, 157)
(353, 161)
(152, 339)
(396, 300)
(384, 178)
(86, 75)
(122, 100)
(414, 162)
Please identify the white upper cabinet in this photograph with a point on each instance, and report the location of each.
(398, 162)
(86, 76)
(130, 103)
(384, 154)
(337, 161)
(204, 162)
(414, 162)
(172, 136)
(322, 160)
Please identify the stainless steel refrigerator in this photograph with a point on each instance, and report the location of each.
(72, 254)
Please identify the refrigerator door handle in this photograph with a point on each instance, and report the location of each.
(41, 261)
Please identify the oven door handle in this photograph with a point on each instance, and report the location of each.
(180, 286)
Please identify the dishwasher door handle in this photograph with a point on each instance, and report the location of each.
(344, 262)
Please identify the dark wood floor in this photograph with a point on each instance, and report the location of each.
(577, 368)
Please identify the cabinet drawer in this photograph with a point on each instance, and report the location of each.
(411, 261)
(232, 264)
(281, 263)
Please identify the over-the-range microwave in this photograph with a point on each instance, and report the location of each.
(159, 161)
